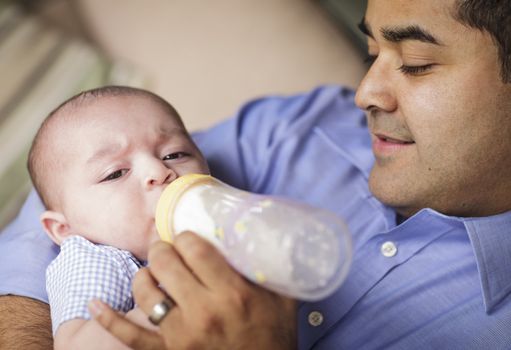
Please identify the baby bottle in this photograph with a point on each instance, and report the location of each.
(288, 247)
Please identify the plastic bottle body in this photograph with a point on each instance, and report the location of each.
(288, 247)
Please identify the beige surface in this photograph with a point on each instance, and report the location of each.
(208, 57)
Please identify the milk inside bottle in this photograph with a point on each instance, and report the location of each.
(288, 247)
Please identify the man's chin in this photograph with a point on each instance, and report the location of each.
(392, 192)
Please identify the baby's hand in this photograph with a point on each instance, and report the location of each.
(138, 316)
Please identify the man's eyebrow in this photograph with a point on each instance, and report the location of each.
(398, 34)
(364, 27)
(412, 32)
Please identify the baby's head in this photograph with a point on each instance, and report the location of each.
(101, 160)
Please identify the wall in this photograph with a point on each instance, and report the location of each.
(208, 57)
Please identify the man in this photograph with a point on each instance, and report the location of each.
(429, 213)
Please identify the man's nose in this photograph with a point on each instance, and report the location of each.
(158, 174)
(377, 89)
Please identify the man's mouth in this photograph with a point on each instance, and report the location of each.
(384, 145)
(392, 140)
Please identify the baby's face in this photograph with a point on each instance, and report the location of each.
(115, 161)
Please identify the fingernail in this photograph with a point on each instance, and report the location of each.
(96, 307)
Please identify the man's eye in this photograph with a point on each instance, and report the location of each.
(176, 155)
(115, 175)
(415, 70)
(369, 60)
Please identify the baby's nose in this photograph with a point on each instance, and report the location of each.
(160, 176)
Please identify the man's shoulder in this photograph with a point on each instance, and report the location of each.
(330, 109)
(318, 103)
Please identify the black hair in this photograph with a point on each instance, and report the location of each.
(494, 17)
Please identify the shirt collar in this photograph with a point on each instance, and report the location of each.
(491, 240)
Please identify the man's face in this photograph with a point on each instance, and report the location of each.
(438, 112)
(118, 155)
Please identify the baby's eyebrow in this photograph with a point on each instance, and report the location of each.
(106, 150)
(173, 134)
(169, 132)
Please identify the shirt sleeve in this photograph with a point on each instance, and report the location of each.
(239, 150)
(82, 272)
(25, 252)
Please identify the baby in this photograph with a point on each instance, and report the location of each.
(100, 162)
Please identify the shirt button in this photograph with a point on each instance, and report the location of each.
(315, 318)
(388, 249)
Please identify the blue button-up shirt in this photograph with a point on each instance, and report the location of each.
(443, 284)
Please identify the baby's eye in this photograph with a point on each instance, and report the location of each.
(176, 155)
(115, 175)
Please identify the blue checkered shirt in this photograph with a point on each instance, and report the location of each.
(84, 271)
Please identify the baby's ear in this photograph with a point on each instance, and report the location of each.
(55, 225)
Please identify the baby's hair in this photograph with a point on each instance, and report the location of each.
(41, 166)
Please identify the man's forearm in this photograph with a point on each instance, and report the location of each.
(24, 324)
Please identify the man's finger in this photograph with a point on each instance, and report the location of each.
(130, 334)
(208, 264)
(168, 268)
(147, 293)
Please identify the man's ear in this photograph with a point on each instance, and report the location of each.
(55, 225)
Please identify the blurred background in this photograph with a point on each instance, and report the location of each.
(206, 58)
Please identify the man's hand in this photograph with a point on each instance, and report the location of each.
(216, 308)
(24, 324)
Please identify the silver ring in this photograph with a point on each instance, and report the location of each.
(160, 310)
